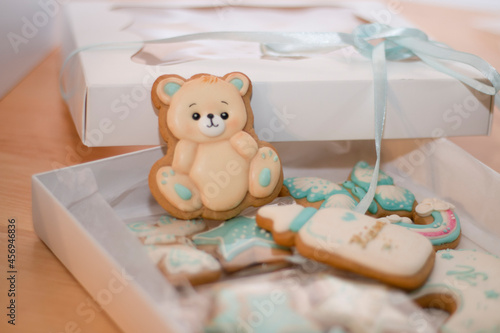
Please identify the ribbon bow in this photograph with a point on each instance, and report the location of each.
(394, 44)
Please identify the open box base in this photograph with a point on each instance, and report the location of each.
(80, 212)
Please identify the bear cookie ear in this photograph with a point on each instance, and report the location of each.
(239, 80)
(167, 87)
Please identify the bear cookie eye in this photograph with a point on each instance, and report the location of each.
(224, 115)
(196, 116)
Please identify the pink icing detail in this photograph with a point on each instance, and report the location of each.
(450, 223)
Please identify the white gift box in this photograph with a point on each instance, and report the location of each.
(80, 212)
(31, 30)
(322, 97)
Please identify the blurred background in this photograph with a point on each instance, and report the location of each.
(31, 30)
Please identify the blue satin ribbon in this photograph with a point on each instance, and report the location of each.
(395, 44)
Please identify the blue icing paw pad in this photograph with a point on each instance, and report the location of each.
(183, 192)
(265, 177)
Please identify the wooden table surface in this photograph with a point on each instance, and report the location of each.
(37, 135)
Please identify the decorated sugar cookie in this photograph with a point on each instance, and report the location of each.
(433, 218)
(352, 241)
(262, 308)
(362, 173)
(215, 165)
(389, 199)
(436, 220)
(182, 262)
(311, 191)
(466, 284)
(241, 243)
(320, 193)
(166, 230)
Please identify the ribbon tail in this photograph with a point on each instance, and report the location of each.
(380, 100)
(428, 52)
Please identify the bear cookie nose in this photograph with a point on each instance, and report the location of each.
(211, 125)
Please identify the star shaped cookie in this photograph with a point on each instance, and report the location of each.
(241, 243)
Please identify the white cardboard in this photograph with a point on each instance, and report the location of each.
(79, 212)
(30, 31)
(319, 98)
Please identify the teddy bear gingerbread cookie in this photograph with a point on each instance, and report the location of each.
(215, 165)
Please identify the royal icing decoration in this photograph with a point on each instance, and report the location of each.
(392, 198)
(257, 310)
(338, 236)
(239, 235)
(215, 165)
(312, 188)
(395, 219)
(362, 174)
(429, 205)
(360, 193)
(388, 196)
(182, 259)
(433, 218)
(340, 200)
(166, 229)
(445, 226)
(467, 284)
(366, 241)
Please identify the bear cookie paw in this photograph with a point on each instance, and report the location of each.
(179, 189)
(265, 170)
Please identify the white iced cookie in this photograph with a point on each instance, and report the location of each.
(278, 220)
(166, 230)
(182, 262)
(465, 283)
(354, 242)
(259, 307)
